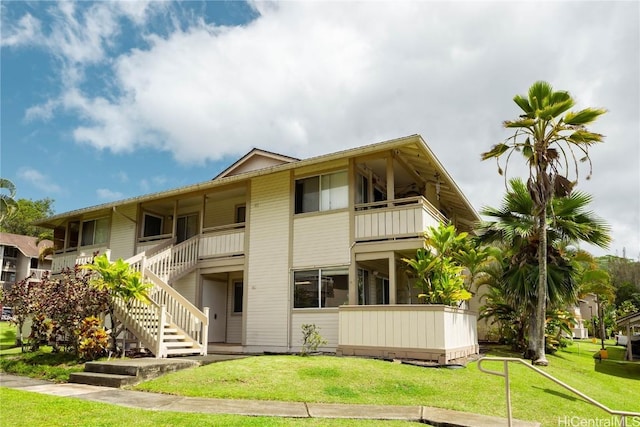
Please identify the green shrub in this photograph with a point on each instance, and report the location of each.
(311, 339)
(93, 339)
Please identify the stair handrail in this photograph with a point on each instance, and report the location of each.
(173, 260)
(182, 312)
(505, 374)
(184, 255)
(150, 337)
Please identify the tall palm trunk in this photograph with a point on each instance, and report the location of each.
(541, 304)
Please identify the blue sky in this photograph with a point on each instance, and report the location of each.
(107, 100)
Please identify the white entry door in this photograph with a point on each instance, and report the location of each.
(214, 296)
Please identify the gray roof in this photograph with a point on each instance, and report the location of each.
(29, 246)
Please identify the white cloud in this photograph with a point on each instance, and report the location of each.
(108, 195)
(39, 180)
(312, 77)
(25, 31)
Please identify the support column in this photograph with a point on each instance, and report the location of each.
(391, 190)
(392, 278)
(353, 278)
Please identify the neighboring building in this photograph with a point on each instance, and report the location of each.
(586, 311)
(274, 242)
(20, 258)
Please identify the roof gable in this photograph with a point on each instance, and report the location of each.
(255, 159)
(29, 246)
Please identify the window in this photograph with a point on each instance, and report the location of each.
(237, 297)
(8, 276)
(74, 233)
(362, 189)
(374, 291)
(322, 193)
(241, 214)
(34, 263)
(363, 285)
(152, 225)
(187, 227)
(325, 287)
(58, 238)
(95, 232)
(10, 252)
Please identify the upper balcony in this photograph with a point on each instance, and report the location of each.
(395, 219)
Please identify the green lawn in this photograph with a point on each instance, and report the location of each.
(366, 381)
(347, 380)
(7, 338)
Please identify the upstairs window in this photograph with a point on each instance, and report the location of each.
(152, 225)
(10, 252)
(322, 193)
(95, 232)
(241, 214)
(187, 227)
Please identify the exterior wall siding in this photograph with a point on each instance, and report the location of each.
(187, 286)
(326, 321)
(267, 288)
(321, 240)
(219, 213)
(123, 232)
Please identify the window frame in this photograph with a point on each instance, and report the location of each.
(186, 217)
(241, 213)
(83, 227)
(319, 273)
(320, 193)
(143, 229)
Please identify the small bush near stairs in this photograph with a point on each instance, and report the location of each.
(93, 339)
(311, 339)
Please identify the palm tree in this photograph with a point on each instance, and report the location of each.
(7, 201)
(549, 136)
(515, 227)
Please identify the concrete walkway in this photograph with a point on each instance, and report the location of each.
(163, 402)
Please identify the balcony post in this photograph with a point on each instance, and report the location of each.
(392, 278)
(391, 191)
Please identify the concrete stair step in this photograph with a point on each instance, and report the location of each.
(102, 379)
(117, 373)
(182, 351)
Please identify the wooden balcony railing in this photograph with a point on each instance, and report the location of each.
(71, 257)
(400, 218)
(226, 240)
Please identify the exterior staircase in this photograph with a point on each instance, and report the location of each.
(169, 325)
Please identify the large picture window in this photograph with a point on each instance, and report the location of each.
(95, 232)
(322, 193)
(324, 287)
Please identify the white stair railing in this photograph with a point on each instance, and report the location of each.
(180, 311)
(172, 261)
(169, 306)
(144, 320)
